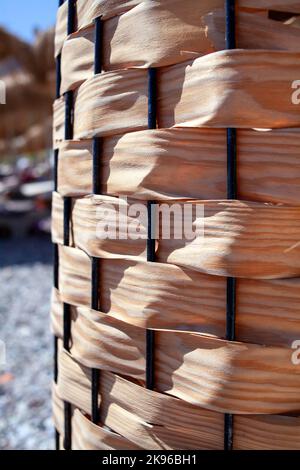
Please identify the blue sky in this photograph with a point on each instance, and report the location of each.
(21, 16)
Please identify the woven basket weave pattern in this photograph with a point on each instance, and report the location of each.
(108, 295)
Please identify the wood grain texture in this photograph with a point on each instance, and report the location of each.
(111, 103)
(165, 296)
(239, 378)
(185, 163)
(169, 33)
(57, 222)
(239, 88)
(60, 28)
(257, 84)
(202, 90)
(88, 436)
(267, 433)
(138, 407)
(58, 121)
(88, 10)
(235, 238)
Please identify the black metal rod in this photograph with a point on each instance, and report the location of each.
(56, 266)
(152, 124)
(231, 309)
(228, 432)
(230, 24)
(97, 150)
(56, 256)
(152, 98)
(71, 16)
(67, 326)
(95, 304)
(67, 216)
(150, 336)
(55, 359)
(98, 61)
(57, 440)
(232, 191)
(58, 75)
(55, 168)
(69, 106)
(68, 426)
(95, 395)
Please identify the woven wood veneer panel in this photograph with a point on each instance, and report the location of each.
(204, 428)
(258, 85)
(215, 374)
(159, 45)
(169, 163)
(107, 295)
(88, 10)
(165, 296)
(240, 239)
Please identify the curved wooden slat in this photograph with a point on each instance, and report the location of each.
(164, 296)
(88, 436)
(58, 121)
(204, 428)
(170, 163)
(228, 377)
(235, 238)
(168, 34)
(88, 10)
(267, 433)
(258, 85)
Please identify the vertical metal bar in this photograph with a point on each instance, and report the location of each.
(56, 266)
(152, 98)
(69, 112)
(95, 284)
(71, 16)
(98, 61)
(152, 124)
(67, 215)
(58, 75)
(69, 102)
(55, 358)
(230, 24)
(231, 194)
(55, 168)
(56, 261)
(97, 141)
(97, 150)
(67, 326)
(68, 426)
(95, 394)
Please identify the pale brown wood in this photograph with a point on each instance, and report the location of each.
(58, 121)
(202, 90)
(169, 33)
(88, 436)
(185, 163)
(236, 238)
(137, 407)
(239, 378)
(258, 85)
(164, 296)
(88, 10)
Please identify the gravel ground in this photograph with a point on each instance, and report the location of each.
(25, 380)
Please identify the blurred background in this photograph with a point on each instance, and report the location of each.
(27, 69)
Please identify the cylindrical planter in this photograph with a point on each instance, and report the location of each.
(176, 225)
